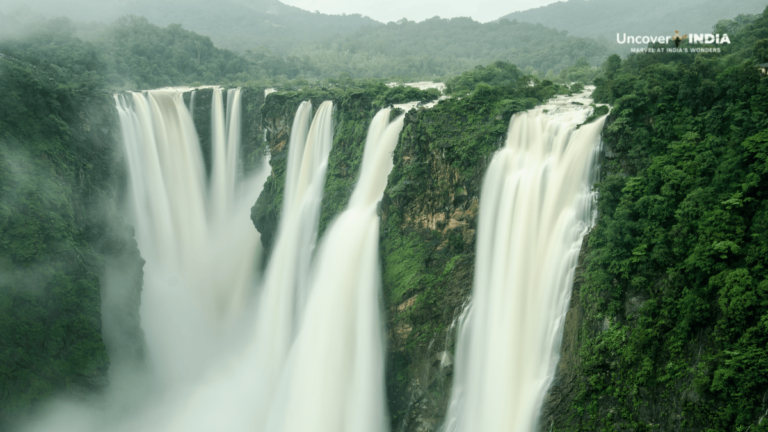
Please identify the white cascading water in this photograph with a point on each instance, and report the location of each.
(199, 243)
(334, 377)
(236, 394)
(535, 208)
(313, 359)
(225, 143)
(286, 278)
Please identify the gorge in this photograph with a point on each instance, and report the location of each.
(314, 319)
(622, 250)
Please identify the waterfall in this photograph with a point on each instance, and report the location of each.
(302, 349)
(192, 102)
(236, 391)
(334, 377)
(200, 267)
(225, 144)
(535, 208)
(315, 360)
(285, 283)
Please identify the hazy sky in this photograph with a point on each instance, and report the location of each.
(419, 10)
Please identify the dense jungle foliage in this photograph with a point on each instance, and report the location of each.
(134, 54)
(676, 270)
(59, 225)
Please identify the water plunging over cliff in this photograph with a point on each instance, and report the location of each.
(195, 235)
(535, 207)
(315, 361)
(334, 377)
(311, 355)
(237, 393)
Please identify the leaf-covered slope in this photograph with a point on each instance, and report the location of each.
(133, 54)
(294, 43)
(449, 46)
(59, 232)
(674, 281)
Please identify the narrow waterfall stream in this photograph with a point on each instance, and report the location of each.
(334, 378)
(535, 208)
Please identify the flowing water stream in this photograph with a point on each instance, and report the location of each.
(536, 205)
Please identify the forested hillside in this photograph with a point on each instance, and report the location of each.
(295, 43)
(672, 293)
(449, 46)
(60, 230)
(134, 54)
(233, 24)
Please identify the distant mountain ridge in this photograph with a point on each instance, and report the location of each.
(233, 24)
(606, 18)
(316, 45)
(458, 44)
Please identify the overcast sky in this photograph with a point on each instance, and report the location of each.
(419, 10)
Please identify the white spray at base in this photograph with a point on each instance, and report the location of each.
(535, 208)
(198, 241)
(236, 394)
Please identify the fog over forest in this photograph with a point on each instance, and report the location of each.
(321, 45)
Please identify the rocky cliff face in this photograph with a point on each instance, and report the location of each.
(275, 124)
(353, 111)
(429, 218)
